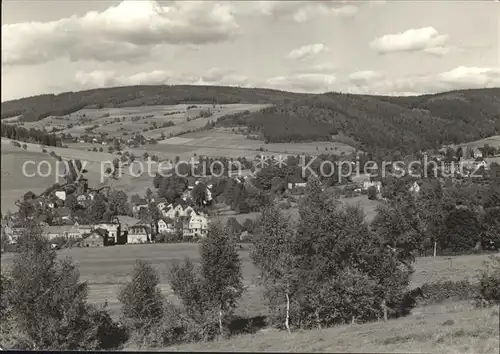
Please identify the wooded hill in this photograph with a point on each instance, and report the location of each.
(38, 107)
(407, 124)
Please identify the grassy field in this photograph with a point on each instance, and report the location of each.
(493, 141)
(221, 142)
(137, 119)
(15, 183)
(218, 142)
(107, 268)
(446, 328)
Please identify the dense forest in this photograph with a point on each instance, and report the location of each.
(407, 124)
(38, 107)
(30, 136)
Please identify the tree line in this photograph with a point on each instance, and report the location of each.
(31, 135)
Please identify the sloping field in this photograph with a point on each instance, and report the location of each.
(493, 141)
(221, 142)
(14, 182)
(137, 119)
(446, 328)
(134, 179)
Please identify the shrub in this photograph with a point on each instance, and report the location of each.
(489, 283)
(448, 290)
(170, 237)
(174, 328)
(142, 302)
(372, 193)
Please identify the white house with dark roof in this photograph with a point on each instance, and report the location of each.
(166, 226)
(197, 226)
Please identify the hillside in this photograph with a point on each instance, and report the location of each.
(38, 107)
(407, 124)
(446, 328)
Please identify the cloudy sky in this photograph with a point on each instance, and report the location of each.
(378, 47)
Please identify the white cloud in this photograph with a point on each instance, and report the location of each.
(313, 83)
(459, 78)
(218, 76)
(307, 51)
(323, 68)
(214, 76)
(363, 76)
(426, 39)
(472, 77)
(129, 30)
(299, 11)
(312, 10)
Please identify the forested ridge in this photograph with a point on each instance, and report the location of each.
(38, 107)
(407, 124)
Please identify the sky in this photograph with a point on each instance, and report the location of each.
(374, 47)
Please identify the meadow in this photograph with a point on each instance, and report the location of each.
(15, 184)
(122, 122)
(106, 269)
(223, 142)
(448, 328)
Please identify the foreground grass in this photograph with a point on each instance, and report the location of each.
(446, 328)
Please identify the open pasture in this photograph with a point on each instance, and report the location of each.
(107, 268)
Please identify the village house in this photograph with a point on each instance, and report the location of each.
(64, 231)
(97, 238)
(12, 233)
(61, 195)
(477, 154)
(137, 234)
(126, 222)
(196, 227)
(137, 208)
(113, 230)
(295, 182)
(173, 212)
(166, 226)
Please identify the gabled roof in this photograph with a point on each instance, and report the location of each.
(127, 220)
(59, 229)
(167, 221)
(101, 232)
